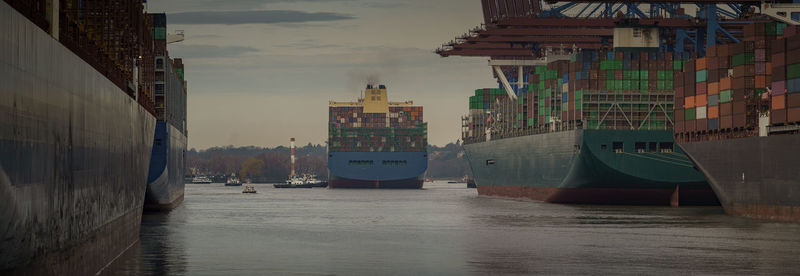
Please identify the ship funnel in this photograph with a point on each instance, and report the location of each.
(291, 140)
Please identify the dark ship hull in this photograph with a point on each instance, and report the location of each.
(165, 181)
(74, 155)
(582, 166)
(753, 177)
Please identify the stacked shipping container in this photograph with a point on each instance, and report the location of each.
(594, 90)
(350, 129)
(722, 95)
(785, 92)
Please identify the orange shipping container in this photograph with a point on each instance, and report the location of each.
(779, 102)
(769, 68)
(700, 64)
(725, 84)
(688, 102)
(713, 112)
(713, 88)
(761, 81)
(701, 100)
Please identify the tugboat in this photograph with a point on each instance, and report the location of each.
(249, 190)
(295, 182)
(201, 180)
(316, 183)
(233, 181)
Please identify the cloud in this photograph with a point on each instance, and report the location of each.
(208, 51)
(253, 17)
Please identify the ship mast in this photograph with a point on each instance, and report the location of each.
(291, 140)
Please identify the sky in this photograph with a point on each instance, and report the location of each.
(260, 72)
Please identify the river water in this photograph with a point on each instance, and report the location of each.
(445, 229)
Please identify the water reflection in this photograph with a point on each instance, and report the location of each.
(445, 229)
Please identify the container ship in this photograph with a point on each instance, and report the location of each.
(591, 127)
(573, 125)
(76, 133)
(737, 117)
(165, 178)
(375, 143)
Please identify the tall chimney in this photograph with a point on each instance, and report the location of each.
(292, 147)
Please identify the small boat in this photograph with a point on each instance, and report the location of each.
(249, 190)
(201, 180)
(233, 181)
(316, 183)
(295, 182)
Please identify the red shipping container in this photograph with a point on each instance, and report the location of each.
(778, 73)
(690, 125)
(792, 43)
(725, 122)
(778, 59)
(679, 114)
(711, 51)
(722, 51)
(679, 101)
(792, 58)
(793, 100)
(778, 102)
(679, 92)
(725, 84)
(725, 109)
(793, 115)
(701, 125)
(739, 120)
(738, 108)
(680, 127)
(777, 116)
(778, 46)
(701, 88)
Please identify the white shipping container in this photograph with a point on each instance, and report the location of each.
(700, 112)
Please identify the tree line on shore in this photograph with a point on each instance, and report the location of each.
(273, 164)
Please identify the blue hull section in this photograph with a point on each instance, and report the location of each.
(376, 167)
(165, 179)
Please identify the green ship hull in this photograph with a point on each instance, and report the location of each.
(629, 167)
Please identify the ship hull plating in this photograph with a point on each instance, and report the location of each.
(753, 177)
(74, 154)
(376, 170)
(165, 181)
(582, 166)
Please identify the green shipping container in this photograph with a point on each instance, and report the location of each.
(689, 114)
(725, 96)
(742, 59)
(793, 71)
(159, 33)
(644, 74)
(701, 76)
(677, 65)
